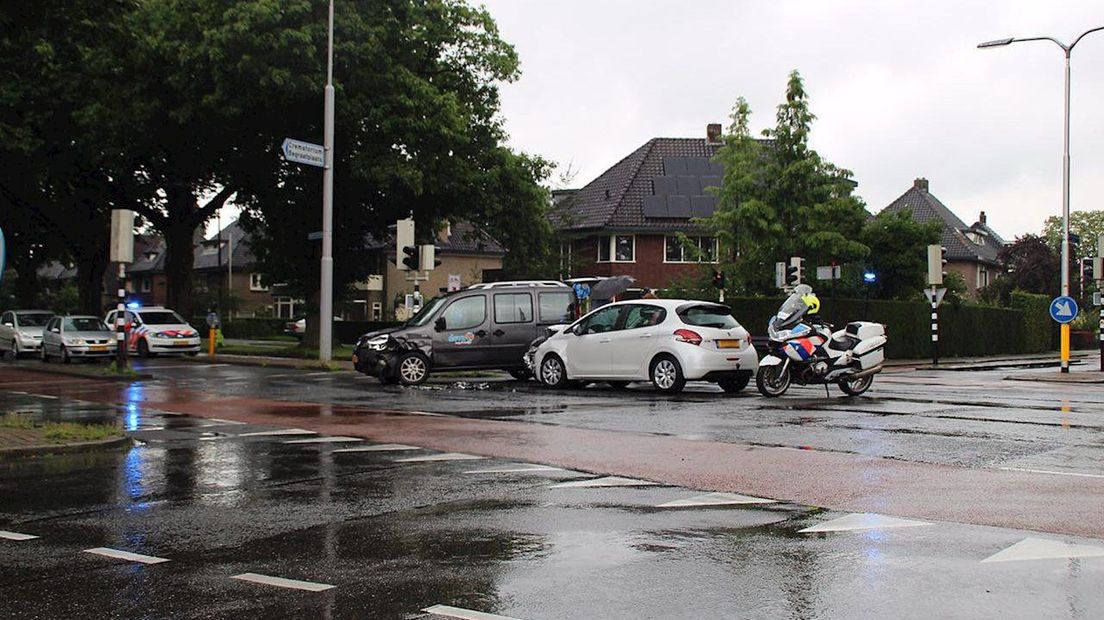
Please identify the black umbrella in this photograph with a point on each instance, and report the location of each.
(608, 288)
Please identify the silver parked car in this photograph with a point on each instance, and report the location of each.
(69, 337)
(21, 331)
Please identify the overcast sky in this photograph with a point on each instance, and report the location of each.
(899, 89)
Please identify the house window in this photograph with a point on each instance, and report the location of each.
(256, 283)
(621, 247)
(285, 307)
(146, 285)
(377, 311)
(566, 258)
(982, 276)
(701, 250)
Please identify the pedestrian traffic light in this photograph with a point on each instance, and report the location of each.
(795, 273)
(410, 258)
(404, 238)
(937, 264)
(428, 257)
(718, 279)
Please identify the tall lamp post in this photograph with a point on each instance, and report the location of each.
(325, 342)
(1065, 168)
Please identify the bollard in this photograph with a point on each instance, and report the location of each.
(211, 341)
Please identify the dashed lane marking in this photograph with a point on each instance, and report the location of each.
(516, 469)
(228, 422)
(383, 447)
(1053, 473)
(276, 433)
(326, 440)
(608, 481)
(319, 374)
(862, 521)
(1043, 549)
(294, 584)
(715, 499)
(447, 456)
(6, 535)
(464, 614)
(195, 366)
(126, 555)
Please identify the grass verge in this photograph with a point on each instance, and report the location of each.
(61, 432)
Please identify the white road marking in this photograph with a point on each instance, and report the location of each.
(608, 481)
(17, 392)
(716, 499)
(434, 415)
(197, 365)
(383, 447)
(1043, 549)
(282, 431)
(447, 456)
(283, 583)
(230, 422)
(464, 614)
(1053, 473)
(126, 555)
(6, 535)
(516, 469)
(46, 396)
(150, 428)
(319, 374)
(213, 438)
(325, 440)
(862, 521)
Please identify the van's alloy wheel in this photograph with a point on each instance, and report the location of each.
(412, 368)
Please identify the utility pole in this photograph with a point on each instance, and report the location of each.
(325, 336)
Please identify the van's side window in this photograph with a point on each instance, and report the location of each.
(513, 308)
(556, 307)
(466, 313)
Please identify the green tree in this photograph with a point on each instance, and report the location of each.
(898, 253)
(779, 198)
(1088, 224)
(1032, 266)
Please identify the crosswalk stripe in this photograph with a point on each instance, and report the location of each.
(6, 535)
(716, 499)
(276, 433)
(519, 469)
(126, 555)
(447, 456)
(861, 521)
(463, 614)
(325, 440)
(385, 447)
(294, 584)
(1043, 549)
(608, 481)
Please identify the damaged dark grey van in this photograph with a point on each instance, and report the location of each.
(486, 326)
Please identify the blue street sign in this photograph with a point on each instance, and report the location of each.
(1063, 309)
(582, 291)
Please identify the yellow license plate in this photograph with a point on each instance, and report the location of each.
(182, 344)
(728, 344)
(98, 348)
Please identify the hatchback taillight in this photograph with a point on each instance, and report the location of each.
(688, 336)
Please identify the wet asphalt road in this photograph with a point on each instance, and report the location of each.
(217, 500)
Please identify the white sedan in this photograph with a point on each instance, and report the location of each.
(665, 341)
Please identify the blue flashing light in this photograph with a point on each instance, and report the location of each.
(133, 305)
(870, 277)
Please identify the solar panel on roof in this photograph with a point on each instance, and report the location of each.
(697, 165)
(655, 206)
(674, 165)
(678, 206)
(702, 206)
(689, 185)
(716, 168)
(661, 186)
(710, 180)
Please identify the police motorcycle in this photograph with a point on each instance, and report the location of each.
(805, 350)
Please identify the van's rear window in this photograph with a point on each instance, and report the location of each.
(556, 307)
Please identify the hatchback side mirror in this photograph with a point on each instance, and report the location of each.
(439, 325)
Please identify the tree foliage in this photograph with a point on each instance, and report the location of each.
(898, 253)
(1032, 266)
(779, 198)
(1088, 224)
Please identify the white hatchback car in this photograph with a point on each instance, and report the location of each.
(157, 330)
(665, 341)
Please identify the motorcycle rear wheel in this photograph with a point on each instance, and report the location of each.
(856, 387)
(772, 381)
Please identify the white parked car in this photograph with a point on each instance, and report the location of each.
(21, 331)
(665, 341)
(155, 330)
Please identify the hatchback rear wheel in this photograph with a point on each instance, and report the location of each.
(666, 375)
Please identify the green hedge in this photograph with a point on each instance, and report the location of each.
(1040, 331)
(964, 330)
(244, 328)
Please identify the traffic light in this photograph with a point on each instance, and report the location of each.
(428, 257)
(410, 260)
(795, 272)
(404, 239)
(937, 264)
(718, 279)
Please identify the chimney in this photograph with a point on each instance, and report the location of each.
(921, 184)
(713, 133)
(981, 218)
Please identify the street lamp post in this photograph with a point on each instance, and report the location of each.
(325, 350)
(1067, 49)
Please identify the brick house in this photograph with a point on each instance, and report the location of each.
(970, 250)
(624, 222)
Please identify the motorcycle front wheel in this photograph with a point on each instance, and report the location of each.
(772, 381)
(855, 387)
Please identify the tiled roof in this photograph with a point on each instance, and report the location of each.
(207, 256)
(464, 238)
(925, 207)
(615, 200)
